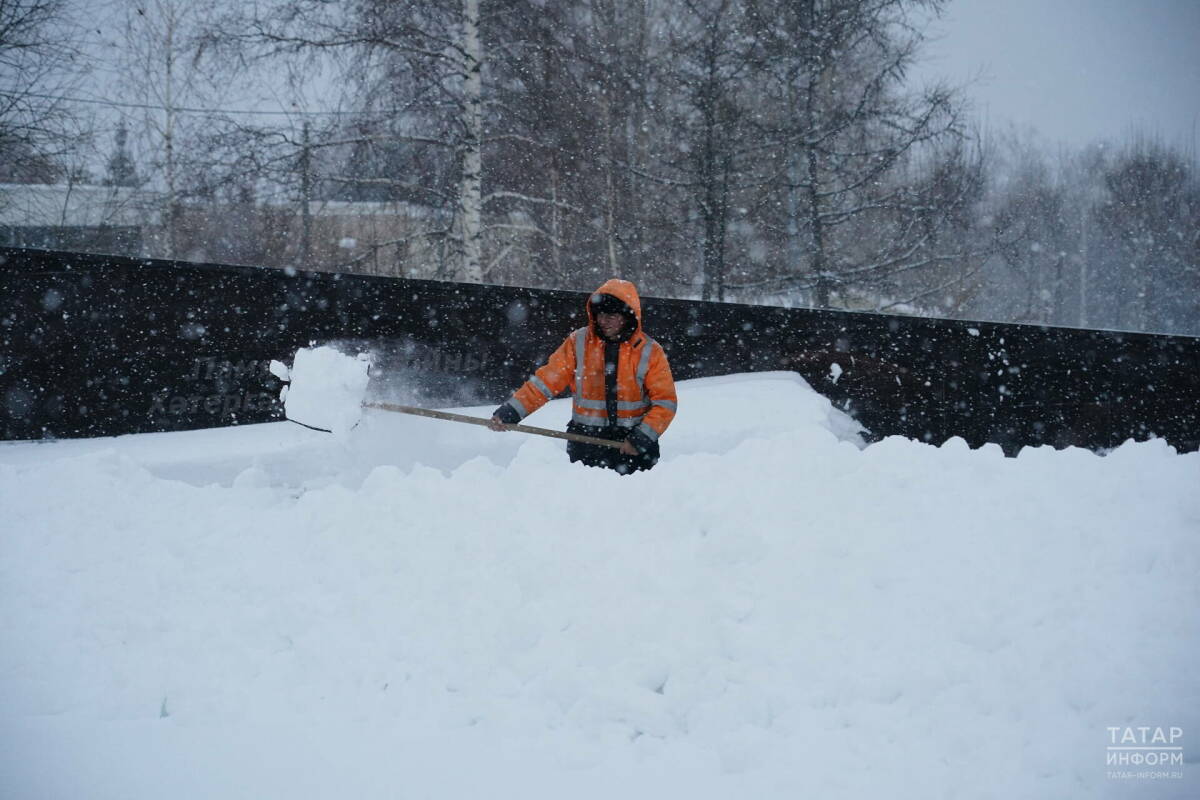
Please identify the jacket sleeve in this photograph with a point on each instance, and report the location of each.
(543, 386)
(660, 388)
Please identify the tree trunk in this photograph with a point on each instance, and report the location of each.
(169, 136)
(819, 265)
(1084, 255)
(708, 203)
(305, 200)
(555, 218)
(610, 188)
(471, 192)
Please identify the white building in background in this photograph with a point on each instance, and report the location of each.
(129, 221)
(69, 216)
(384, 238)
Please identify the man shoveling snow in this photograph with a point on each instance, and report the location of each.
(621, 381)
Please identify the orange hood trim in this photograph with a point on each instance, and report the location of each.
(624, 291)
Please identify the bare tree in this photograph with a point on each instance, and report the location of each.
(1150, 222)
(420, 60)
(844, 126)
(713, 83)
(616, 45)
(571, 130)
(1032, 226)
(38, 51)
(163, 74)
(940, 197)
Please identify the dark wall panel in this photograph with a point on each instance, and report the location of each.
(94, 345)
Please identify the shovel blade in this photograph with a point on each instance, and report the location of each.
(326, 388)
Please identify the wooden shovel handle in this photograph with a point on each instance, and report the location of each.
(446, 415)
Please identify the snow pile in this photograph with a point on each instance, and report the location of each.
(436, 610)
(326, 389)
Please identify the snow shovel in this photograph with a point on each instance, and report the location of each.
(451, 417)
(326, 390)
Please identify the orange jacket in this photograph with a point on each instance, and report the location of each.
(646, 400)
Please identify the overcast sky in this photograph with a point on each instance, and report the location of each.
(1077, 71)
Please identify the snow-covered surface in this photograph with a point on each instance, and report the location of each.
(424, 609)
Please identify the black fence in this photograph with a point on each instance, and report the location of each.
(100, 345)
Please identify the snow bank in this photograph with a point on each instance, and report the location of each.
(428, 609)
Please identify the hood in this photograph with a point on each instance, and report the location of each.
(626, 292)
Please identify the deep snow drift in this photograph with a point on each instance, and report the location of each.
(423, 609)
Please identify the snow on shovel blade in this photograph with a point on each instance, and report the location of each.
(326, 390)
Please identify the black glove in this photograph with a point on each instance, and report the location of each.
(639, 440)
(507, 414)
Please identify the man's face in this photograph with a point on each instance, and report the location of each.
(610, 324)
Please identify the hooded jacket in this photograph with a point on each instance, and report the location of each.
(645, 391)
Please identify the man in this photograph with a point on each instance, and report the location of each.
(621, 380)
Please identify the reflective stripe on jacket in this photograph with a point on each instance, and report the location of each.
(646, 398)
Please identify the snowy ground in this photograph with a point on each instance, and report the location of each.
(422, 609)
